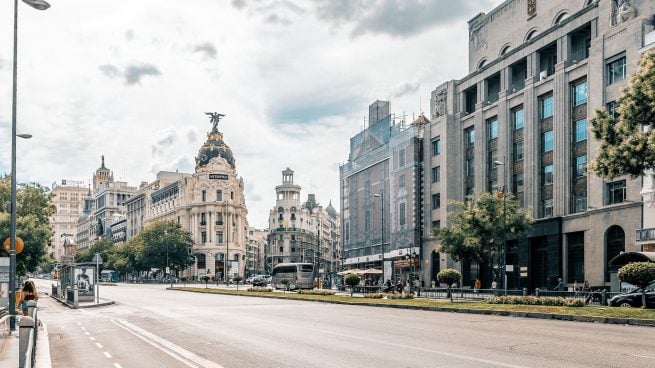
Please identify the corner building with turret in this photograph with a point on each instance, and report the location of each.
(521, 120)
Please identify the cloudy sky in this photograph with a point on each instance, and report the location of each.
(132, 80)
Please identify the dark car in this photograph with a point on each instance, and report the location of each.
(634, 298)
(259, 281)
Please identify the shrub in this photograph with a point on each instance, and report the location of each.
(449, 276)
(316, 292)
(640, 274)
(258, 289)
(535, 300)
(389, 296)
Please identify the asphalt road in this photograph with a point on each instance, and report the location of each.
(152, 327)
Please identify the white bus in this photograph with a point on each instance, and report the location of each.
(298, 275)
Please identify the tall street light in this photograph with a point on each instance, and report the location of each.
(381, 196)
(501, 261)
(40, 5)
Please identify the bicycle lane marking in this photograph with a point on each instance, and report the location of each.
(187, 357)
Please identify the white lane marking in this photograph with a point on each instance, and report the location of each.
(98, 345)
(92, 338)
(83, 328)
(117, 365)
(644, 356)
(86, 333)
(107, 355)
(79, 323)
(187, 357)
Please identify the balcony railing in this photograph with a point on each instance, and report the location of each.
(219, 223)
(203, 223)
(645, 234)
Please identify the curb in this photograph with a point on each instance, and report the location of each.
(64, 302)
(540, 315)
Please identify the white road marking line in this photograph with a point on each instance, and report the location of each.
(86, 333)
(98, 345)
(107, 355)
(644, 356)
(79, 323)
(117, 365)
(185, 356)
(92, 338)
(83, 328)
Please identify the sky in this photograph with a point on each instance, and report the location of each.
(131, 80)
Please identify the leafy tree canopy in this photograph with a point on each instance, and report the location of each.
(448, 276)
(33, 210)
(476, 229)
(162, 240)
(626, 148)
(641, 274)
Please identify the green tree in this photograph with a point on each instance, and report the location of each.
(33, 209)
(477, 227)
(165, 240)
(641, 274)
(449, 276)
(102, 246)
(352, 280)
(625, 147)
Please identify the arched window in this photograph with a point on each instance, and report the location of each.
(482, 63)
(504, 49)
(530, 35)
(560, 17)
(201, 261)
(614, 244)
(280, 210)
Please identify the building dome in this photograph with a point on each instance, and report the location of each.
(331, 211)
(214, 147)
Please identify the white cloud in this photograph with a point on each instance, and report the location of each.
(134, 85)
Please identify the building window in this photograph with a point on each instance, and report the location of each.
(547, 141)
(518, 118)
(401, 157)
(611, 110)
(219, 237)
(616, 70)
(203, 219)
(282, 249)
(546, 107)
(615, 192)
(517, 151)
(436, 174)
(517, 183)
(492, 128)
(548, 208)
(401, 181)
(470, 169)
(436, 146)
(548, 174)
(203, 237)
(436, 201)
(581, 165)
(204, 195)
(367, 221)
(580, 93)
(580, 202)
(469, 136)
(580, 130)
(575, 256)
(402, 214)
(436, 224)
(219, 195)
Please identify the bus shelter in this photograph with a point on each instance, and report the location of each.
(80, 275)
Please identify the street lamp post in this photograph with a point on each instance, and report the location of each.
(40, 5)
(502, 260)
(381, 196)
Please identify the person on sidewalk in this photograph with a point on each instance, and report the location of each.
(28, 293)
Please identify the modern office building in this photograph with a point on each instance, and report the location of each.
(521, 120)
(381, 196)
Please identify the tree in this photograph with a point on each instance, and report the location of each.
(641, 274)
(104, 247)
(449, 276)
(477, 227)
(352, 280)
(33, 210)
(162, 241)
(237, 279)
(625, 147)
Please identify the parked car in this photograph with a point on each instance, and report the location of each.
(260, 281)
(250, 279)
(634, 299)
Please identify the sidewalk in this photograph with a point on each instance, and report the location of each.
(103, 302)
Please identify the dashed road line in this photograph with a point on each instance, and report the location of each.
(107, 355)
(116, 365)
(92, 338)
(98, 345)
(87, 333)
(83, 328)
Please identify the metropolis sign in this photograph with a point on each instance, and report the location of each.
(217, 176)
